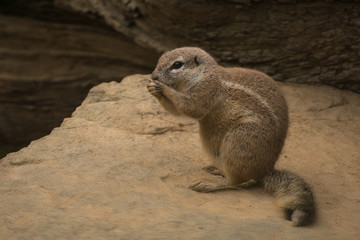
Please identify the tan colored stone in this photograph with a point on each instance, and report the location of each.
(120, 166)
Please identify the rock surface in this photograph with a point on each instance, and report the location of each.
(291, 40)
(120, 166)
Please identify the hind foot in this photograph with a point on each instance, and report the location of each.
(207, 185)
(213, 170)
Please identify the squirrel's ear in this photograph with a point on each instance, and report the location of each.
(196, 60)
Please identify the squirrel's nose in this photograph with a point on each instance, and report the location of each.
(154, 77)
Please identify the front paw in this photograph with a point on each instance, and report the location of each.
(154, 88)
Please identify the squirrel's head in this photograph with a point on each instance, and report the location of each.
(183, 67)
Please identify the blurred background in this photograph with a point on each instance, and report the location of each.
(53, 51)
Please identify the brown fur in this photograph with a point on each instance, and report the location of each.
(243, 121)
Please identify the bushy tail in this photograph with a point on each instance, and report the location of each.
(293, 194)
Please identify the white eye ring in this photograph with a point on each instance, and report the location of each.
(176, 70)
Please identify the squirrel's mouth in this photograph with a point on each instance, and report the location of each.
(171, 85)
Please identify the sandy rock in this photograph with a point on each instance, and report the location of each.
(120, 166)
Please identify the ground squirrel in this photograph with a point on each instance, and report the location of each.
(243, 121)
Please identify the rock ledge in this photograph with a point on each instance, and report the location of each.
(120, 166)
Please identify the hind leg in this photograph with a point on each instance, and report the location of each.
(213, 170)
(241, 163)
(224, 179)
(209, 184)
(247, 155)
(219, 183)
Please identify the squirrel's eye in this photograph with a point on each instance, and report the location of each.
(177, 65)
